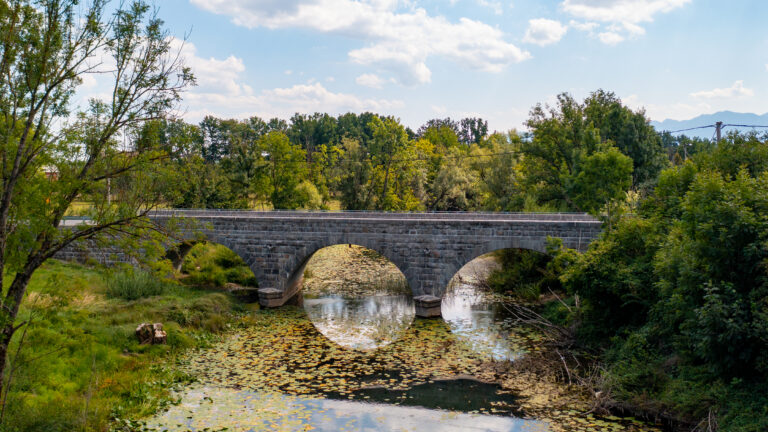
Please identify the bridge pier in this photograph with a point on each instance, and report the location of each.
(428, 306)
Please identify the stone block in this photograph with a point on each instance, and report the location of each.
(270, 297)
(427, 306)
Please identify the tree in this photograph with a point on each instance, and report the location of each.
(569, 162)
(496, 164)
(562, 137)
(472, 130)
(47, 48)
(604, 177)
(286, 169)
(356, 173)
(630, 131)
(389, 138)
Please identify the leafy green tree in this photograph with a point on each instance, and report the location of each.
(195, 183)
(603, 178)
(215, 143)
(287, 169)
(47, 48)
(472, 130)
(713, 276)
(570, 163)
(496, 164)
(630, 131)
(562, 137)
(389, 139)
(615, 279)
(355, 176)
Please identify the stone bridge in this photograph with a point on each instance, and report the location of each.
(429, 248)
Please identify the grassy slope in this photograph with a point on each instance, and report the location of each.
(80, 365)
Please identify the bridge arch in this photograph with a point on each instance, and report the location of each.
(461, 260)
(299, 262)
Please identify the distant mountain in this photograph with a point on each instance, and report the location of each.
(727, 117)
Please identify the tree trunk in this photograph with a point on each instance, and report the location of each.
(10, 307)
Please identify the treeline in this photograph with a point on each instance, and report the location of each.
(675, 295)
(578, 156)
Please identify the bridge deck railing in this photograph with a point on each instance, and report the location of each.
(369, 214)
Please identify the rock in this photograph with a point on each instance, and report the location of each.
(160, 336)
(151, 334)
(270, 297)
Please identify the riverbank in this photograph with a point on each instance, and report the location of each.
(77, 364)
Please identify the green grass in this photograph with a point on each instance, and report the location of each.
(80, 367)
(134, 284)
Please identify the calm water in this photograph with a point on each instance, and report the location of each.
(363, 323)
(483, 323)
(241, 410)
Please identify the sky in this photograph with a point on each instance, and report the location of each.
(418, 60)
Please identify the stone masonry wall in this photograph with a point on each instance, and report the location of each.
(429, 248)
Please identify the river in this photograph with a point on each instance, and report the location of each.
(357, 360)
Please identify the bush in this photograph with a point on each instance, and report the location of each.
(133, 285)
(214, 265)
(523, 274)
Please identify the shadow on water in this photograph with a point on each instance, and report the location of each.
(461, 395)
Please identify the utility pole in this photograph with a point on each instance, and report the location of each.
(718, 128)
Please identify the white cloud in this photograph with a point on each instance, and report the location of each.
(610, 38)
(621, 16)
(661, 112)
(543, 31)
(439, 109)
(398, 41)
(221, 92)
(494, 5)
(587, 26)
(737, 90)
(370, 80)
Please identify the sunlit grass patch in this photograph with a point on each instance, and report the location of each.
(80, 366)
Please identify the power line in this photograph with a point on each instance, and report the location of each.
(715, 125)
(740, 125)
(416, 159)
(693, 128)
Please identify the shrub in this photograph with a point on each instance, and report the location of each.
(522, 274)
(133, 285)
(213, 265)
